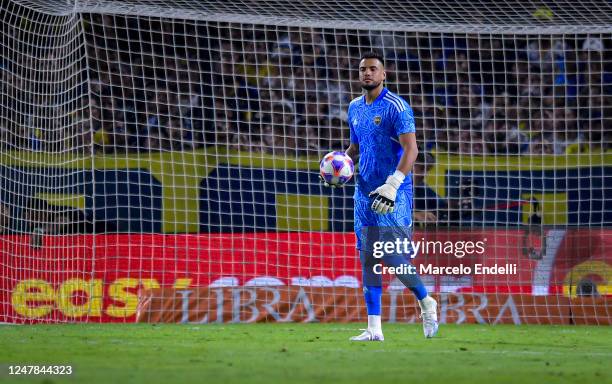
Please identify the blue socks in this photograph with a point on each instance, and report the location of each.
(372, 282)
(419, 290)
(372, 295)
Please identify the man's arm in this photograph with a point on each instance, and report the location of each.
(384, 196)
(409, 145)
(353, 152)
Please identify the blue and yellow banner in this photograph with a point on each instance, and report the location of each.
(219, 190)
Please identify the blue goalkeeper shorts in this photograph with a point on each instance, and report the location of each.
(401, 217)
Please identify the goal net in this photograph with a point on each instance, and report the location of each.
(159, 159)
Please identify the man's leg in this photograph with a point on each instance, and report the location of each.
(372, 293)
(398, 225)
(411, 280)
(372, 283)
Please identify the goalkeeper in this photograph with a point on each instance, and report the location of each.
(383, 141)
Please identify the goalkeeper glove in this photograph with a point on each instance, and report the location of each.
(384, 196)
(325, 183)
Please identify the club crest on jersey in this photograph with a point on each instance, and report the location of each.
(377, 120)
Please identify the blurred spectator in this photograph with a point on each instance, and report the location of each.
(69, 220)
(36, 220)
(541, 146)
(429, 208)
(36, 216)
(5, 219)
(179, 139)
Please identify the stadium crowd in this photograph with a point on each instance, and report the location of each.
(157, 86)
(150, 86)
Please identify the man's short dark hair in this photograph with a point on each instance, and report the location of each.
(373, 55)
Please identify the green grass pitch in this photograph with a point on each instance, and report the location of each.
(301, 353)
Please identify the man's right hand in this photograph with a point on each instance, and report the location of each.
(325, 183)
(425, 217)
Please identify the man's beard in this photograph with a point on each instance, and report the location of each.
(369, 87)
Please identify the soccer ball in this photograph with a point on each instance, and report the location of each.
(336, 168)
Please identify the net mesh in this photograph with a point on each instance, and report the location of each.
(174, 145)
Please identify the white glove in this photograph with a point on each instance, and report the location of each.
(328, 185)
(384, 196)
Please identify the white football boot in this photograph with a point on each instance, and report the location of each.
(368, 335)
(429, 313)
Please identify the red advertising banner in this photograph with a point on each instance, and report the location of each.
(98, 277)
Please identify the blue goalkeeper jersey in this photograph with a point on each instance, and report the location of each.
(376, 128)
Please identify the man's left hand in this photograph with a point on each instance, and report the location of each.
(384, 196)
